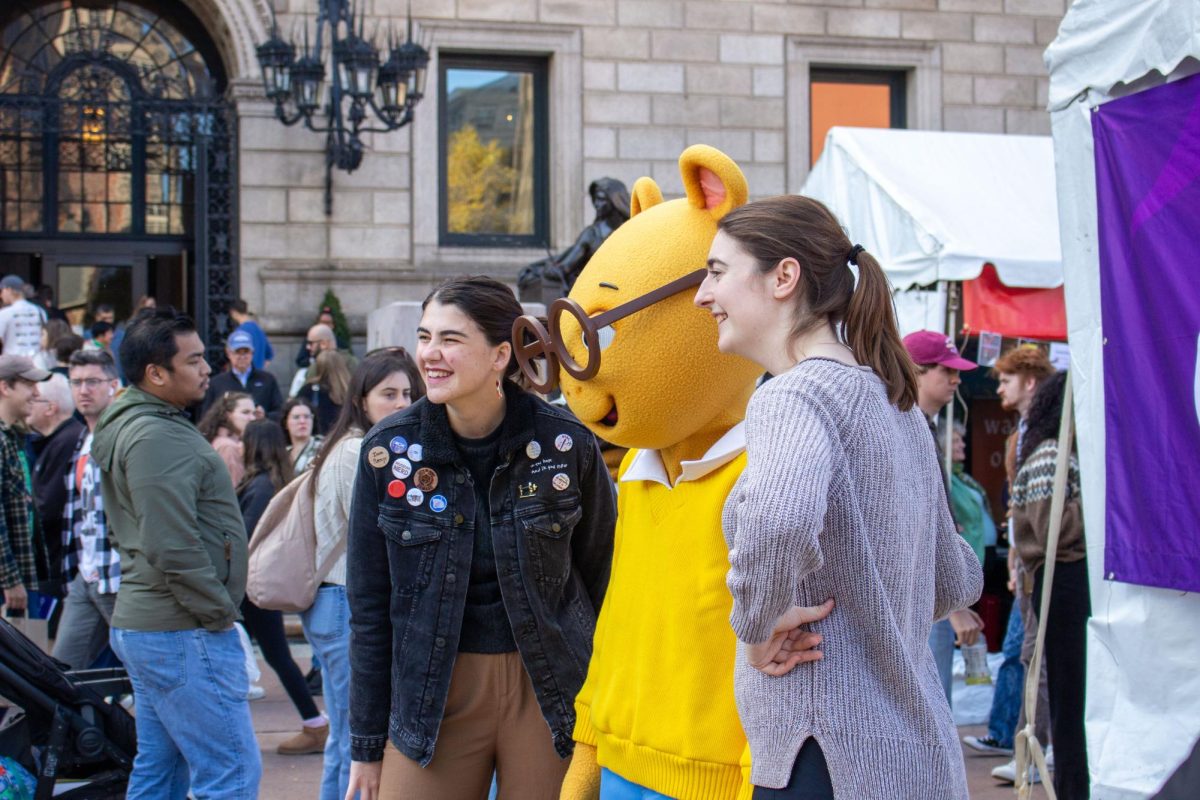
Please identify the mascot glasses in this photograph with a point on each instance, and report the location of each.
(533, 343)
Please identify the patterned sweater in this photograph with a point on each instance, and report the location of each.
(1032, 492)
(842, 497)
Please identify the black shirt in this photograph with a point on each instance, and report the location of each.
(260, 385)
(485, 627)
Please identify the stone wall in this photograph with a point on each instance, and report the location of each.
(632, 83)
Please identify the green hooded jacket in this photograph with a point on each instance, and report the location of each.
(174, 516)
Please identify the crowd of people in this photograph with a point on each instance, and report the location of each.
(452, 627)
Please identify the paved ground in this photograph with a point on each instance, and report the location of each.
(297, 777)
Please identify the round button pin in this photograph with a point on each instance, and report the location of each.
(426, 479)
(398, 444)
(437, 503)
(564, 442)
(533, 449)
(560, 481)
(402, 468)
(416, 452)
(378, 457)
(415, 497)
(396, 489)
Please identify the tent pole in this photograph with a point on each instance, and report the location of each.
(951, 290)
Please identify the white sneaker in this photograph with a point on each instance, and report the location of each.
(256, 692)
(1008, 773)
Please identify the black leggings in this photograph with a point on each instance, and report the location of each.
(809, 781)
(266, 627)
(1066, 673)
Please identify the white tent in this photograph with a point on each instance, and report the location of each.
(1143, 712)
(934, 206)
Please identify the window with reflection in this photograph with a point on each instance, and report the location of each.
(493, 151)
(101, 104)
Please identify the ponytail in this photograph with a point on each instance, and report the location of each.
(871, 331)
(793, 226)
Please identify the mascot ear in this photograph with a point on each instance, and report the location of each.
(645, 194)
(712, 181)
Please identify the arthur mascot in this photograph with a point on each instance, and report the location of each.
(657, 710)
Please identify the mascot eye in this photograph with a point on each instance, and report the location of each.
(606, 334)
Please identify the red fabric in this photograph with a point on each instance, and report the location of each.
(989, 305)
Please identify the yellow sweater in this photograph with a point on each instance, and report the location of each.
(658, 701)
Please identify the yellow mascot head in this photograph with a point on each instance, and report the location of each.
(661, 380)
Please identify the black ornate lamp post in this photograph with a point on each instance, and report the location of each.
(362, 92)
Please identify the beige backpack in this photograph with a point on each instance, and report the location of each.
(283, 575)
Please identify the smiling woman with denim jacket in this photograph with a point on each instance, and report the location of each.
(480, 548)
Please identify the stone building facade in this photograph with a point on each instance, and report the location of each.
(628, 84)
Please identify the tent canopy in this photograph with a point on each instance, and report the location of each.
(1104, 43)
(934, 206)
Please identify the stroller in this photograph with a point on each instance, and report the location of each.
(69, 730)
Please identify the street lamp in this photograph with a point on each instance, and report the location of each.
(358, 84)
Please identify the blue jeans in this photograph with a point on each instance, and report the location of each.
(1010, 682)
(941, 642)
(327, 628)
(193, 720)
(614, 787)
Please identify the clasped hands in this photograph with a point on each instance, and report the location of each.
(790, 644)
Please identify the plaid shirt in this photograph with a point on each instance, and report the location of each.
(18, 547)
(85, 526)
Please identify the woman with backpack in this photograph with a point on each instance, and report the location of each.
(480, 547)
(268, 469)
(384, 382)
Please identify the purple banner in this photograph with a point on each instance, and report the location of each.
(1148, 204)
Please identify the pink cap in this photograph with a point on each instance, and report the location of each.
(930, 347)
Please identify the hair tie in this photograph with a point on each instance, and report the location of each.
(854, 251)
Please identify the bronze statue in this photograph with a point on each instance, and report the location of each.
(551, 278)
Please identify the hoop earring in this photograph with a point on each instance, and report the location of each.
(500, 388)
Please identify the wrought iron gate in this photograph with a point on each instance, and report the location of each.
(112, 125)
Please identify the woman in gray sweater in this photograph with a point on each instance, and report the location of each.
(841, 499)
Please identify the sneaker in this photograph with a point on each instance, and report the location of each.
(1008, 773)
(313, 679)
(307, 741)
(1050, 757)
(986, 744)
(256, 693)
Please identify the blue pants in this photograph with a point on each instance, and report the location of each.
(614, 787)
(941, 642)
(327, 628)
(1010, 682)
(193, 721)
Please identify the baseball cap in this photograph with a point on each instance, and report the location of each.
(12, 282)
(931, 347)
(21, 367)
(239, 340)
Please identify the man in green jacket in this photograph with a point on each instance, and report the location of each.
(174, 515)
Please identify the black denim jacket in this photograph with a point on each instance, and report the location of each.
(412, 524)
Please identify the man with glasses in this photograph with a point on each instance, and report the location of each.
(57, 432)
(91, 565)
(320, 337)
(22, 553)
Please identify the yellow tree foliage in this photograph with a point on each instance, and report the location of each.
(480, 184)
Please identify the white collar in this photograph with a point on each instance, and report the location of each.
(647, 465)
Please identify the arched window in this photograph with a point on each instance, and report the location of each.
(101, 106)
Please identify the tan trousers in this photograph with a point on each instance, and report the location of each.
(492, 724)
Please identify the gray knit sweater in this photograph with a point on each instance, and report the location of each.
(842, 498)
